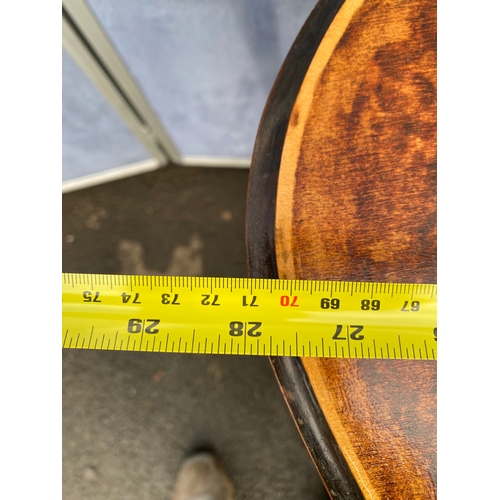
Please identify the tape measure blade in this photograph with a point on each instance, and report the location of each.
(249, 316)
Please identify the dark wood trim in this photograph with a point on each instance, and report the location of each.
(260, 244)
(314, 430)
(266, 159)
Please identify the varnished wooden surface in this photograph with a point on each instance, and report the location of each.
(358, 169)
(356, 200)
(383, 416)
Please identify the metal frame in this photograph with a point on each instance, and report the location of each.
(145, 166)
(87, 43)
(110, 175)
(215, 161)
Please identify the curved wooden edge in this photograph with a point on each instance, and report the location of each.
(260, 245)
(266, 158)
(313, 427)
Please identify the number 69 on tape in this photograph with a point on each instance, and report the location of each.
(250, 316)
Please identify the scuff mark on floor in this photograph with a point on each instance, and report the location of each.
(187, 260)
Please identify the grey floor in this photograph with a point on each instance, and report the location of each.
(129, 419)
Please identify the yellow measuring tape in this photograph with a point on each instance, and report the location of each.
(249, 316)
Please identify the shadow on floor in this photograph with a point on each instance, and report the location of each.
(129, 419)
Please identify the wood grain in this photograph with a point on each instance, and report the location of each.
(356, 200)
(365, 153)
(263, 179)
(261, 255)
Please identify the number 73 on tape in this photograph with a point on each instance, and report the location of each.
(332, 319)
